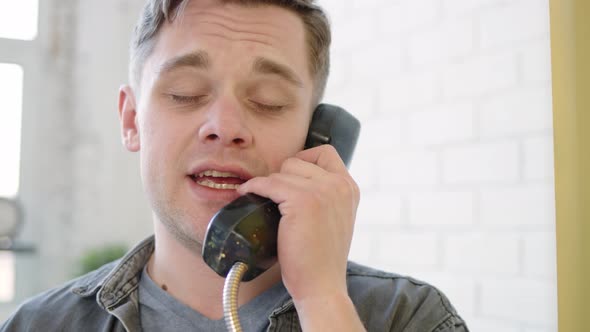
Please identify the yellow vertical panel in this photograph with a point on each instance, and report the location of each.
(570, 51)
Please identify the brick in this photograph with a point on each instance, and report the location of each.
(441, 209)
(520, 21)
(453, 8)
(536, 62)
(339, 73)
(482, 253)
(479, 76)
(381, 133)
(459, 289)
(373, 5)
(481, 163)
(361, 247)
(523, 205)
(405, 251)
(407, 15)
(381, 208)
(517, 113)
(358, 100)
(401, 92)
(441, 124)
(453, 38)
(520, 300)
(407, 168)
(538, 158)
(364, 172)
(550, 328)
(374, 61)
(350, 31)
(378, 134)
(540, 255)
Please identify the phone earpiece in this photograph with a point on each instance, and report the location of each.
(335, 126)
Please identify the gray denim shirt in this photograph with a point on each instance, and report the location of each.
(107, 300)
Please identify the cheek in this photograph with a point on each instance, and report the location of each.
(283, 143)
(158, 146)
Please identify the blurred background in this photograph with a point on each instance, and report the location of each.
(455, 158)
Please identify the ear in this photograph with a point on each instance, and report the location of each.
(128, 118)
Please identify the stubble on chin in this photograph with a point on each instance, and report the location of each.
(179, 226)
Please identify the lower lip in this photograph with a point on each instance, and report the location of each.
(211, 194)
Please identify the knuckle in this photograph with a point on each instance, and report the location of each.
(349, 188)
(337, 184)
(289, 164)
(356, 191)
(328, 147)
(273, 179)
(314, 200)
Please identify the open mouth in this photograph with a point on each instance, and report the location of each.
(218, 180)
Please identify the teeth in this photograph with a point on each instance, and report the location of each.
(211, 184)
(218, 174)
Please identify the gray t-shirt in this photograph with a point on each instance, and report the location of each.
(161, 312)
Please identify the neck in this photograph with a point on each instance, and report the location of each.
(186, 277)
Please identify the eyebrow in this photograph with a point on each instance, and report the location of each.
(201, 60)
(267, 66)
(198, 59)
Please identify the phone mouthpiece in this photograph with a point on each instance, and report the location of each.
(244, 231)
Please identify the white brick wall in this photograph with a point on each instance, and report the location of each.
(513, 27)
(441, 124)
(538, 157)
(539, 255)
(416, 250)
(523, 205)
(441, 209)
(477, 76)
(455, 160)
(450, 39)
(517, 112)
(521, 300)
(481, 163)
(484, 254)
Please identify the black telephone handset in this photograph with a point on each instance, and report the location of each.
(246, 229)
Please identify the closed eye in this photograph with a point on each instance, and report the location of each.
(267, 107)
(187, 99)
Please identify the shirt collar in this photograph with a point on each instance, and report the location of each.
(114, 280)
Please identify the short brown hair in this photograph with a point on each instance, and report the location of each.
(317, 34)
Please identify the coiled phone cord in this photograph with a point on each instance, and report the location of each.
(230, 296)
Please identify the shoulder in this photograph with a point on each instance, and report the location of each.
(399, 302)
(73, 300)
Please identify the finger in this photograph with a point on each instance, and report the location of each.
(278, 187)
(300, 167)
(325, 156)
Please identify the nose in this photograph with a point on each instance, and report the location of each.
(225, 124)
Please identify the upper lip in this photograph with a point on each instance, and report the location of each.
(238, 171)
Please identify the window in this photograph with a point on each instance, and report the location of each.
(18, 20)
(6, 276)
(11, 85)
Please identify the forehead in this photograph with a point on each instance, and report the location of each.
(235, 33)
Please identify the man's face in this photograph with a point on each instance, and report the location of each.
(225, 96)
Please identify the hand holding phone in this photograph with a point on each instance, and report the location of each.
(317, 199)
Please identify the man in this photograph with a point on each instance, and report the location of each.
(220, 100)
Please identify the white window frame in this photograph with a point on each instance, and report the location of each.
(26, 54)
